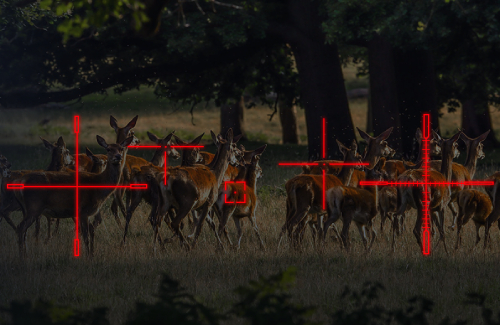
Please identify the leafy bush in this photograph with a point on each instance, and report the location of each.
(264, 301)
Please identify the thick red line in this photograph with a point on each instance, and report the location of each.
(324, 189)
(426, 243)
(324, 138)
(165, 164)
(56, 187)
(426, 121)
(76, 244)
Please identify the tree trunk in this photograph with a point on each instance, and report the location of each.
(369, 113)
(383, 90)
(288, 119)
(321, 81)
(476, 120)
(231, 116)
(416, 87)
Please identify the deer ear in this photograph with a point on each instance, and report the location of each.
(113, 123)
(483, 136)
(354, 146)
(341, 146)
(125, 143)
(153, 137)
(132, 123)
(237, 138)
(364, 135)
(60, 142)
(456, 136)
(101, 141)
(259, 151)
(168, 137)
(198, 139)
(178, 140)
(384, 135)
(88, 152)
(465, 138)
(47, 144)
(306, 169)
(214, 137)
(436, 136)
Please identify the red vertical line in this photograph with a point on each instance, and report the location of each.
(425, 224)
(76, 244)
(324, 189)
(324, 138)
(165, 165)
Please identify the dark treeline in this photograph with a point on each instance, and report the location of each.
(419, 55)
(263, 301)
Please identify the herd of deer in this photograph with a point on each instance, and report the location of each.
(197, 190)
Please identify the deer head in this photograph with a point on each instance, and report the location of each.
(376, 147)
(165, 144)
(60, 154)
(125, 132)
(190, 155)
(115, 152)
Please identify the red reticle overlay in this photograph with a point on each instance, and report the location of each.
(323, 146)
(426, 226)
(239, 184)
(76, 187)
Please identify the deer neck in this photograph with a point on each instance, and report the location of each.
(113, 173)
(56, 163)
(345, 174)
(159, 157)
(471, 160)
(219, 163)
(446, 162)
(251, 178)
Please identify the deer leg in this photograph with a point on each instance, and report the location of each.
(136, 199)
(253, 222)
(92, 228)
(478, 238)
(460, 222)
(332, 218)
(22, 229)
(37, 227)
(118, 202)
(56, 229)
(362, 233)
(344, 235)
(227, 212)
(373, 234)
(84, 230)
(9, 221)
(240, 232)
(454, 214)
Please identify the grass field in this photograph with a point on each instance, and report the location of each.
(119, 276)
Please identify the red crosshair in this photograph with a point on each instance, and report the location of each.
(426, 245)
(76, 242)
(327, 164)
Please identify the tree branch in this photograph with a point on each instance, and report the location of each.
(24, 99)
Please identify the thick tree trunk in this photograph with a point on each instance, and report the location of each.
(383, 91)
(231, 116)
(416, 86)
(476, 120)
(288, 119)
(369, 113)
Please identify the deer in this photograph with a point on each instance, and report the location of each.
(376, 147)
(233, 192)
(60, 203)
(148, 174)
(494, 195)
(475, 205)
(394, 168)
(356, 204)
(439, 195)
(60, 158)
(305, 193)
(196, 188)
(466, 172)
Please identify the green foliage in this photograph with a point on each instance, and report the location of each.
(174, 306)
(47, 313)
(49, 130)
(263, 301)
(266, 301)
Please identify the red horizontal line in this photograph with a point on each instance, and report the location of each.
(476, 183)
(22, 186)
(298, 164)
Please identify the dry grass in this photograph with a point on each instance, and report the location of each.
(117, 277)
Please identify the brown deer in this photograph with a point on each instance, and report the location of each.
(305, 194)
(494, 194)
(394, 168)
(355, 204)
(461, 173)
(196, 188)
(234, 192)
(60, 158)
(148, 175)
(472, 204)
(439, 195)
(60, 203)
